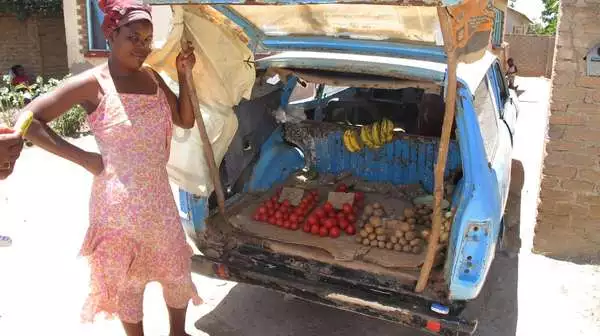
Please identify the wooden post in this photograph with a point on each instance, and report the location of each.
(209, 155)
(440, 167)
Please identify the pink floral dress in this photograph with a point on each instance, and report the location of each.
(135, 234)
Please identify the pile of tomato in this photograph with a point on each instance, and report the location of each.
(283, 214)
(326, 221)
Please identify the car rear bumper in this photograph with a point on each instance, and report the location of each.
(413, 311)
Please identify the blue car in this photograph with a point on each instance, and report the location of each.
(335, 78)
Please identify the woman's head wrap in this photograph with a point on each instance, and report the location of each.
(118, 13)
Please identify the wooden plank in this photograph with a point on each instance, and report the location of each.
(440, 166)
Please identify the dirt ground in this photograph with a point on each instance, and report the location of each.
(43, 207)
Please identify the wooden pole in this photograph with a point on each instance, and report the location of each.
(440, 167)
(209, 155)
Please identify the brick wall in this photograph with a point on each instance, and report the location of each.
(533, 54)
(568, 223)
(36, 43)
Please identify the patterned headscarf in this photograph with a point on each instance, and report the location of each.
(118, 13)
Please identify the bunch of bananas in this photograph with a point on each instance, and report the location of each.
(378, 134)
(373, 136)
(351, 141)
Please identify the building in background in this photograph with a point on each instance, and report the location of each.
(517, 23)
(86, 46)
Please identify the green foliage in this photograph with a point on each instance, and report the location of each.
(549, 17)
(25, 8)
(13, 99)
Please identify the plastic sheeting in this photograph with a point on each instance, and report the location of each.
(224, 75)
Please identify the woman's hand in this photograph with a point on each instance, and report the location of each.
(93, 163)
(11, 144)
(186, 58)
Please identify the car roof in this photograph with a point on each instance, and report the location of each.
(469, 74)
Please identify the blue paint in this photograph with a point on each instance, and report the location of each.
(409, 160)
(366, 47)
(479, 204)
(287, 91)
(366, 66)
(277, 161)
(196, 209)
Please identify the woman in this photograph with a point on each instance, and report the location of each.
(135, 234)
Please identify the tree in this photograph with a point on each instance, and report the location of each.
(550, 17)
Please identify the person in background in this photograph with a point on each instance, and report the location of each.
(11, 145)
(135, 235)
(511, 73)
(19, 76)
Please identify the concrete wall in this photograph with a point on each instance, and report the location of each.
(514, 19)
(75, 19)
(534, 55)
(36, 43)
(568, 223)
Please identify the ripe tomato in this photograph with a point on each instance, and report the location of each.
(330, 222)
(306, 228)
(351, 230)
(341, 215)
(313, 220)
(351, 218)
(262, 210)
(341, 188)
(262, 217)
(294, 218)
(334, 232)
(286, 203)
(323, 231)
(274, 199)
(287, 224)
(278, 215)
(279, 222)
(256, 217)
(270, 204)
(328, 207)
(343, 224)
(294, 226)
(272, 221)
(347, 208)
(314, 229)
(359, 196)
(271, 212)
(320, 213)
(314, 192)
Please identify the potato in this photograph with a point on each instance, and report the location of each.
(402, 241)
(368, 210)
(381, 244)
(378, 212)
(425, 233)
(416, 242)
(413, 227)
(399, 233)
(406, 248)
(366, 242)
(417, 249)
(389, 245)
(374, 243)
(411, 220)
(379, 230)
(408, 212)
(359, 239)
(444, 237)
(365, 217)
(404, 226)
(423, 212)
(375, 221)
(363, 233)
(369, 228)
(410, 235)
(372, 236)
(420, 220)
(360, 224)
(376, 205)
(402, 218)
(394, 239)
(381, 238)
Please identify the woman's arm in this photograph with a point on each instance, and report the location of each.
(81, 89)
(181, 108)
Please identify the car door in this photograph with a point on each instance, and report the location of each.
(505, 98)
(495, 134)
